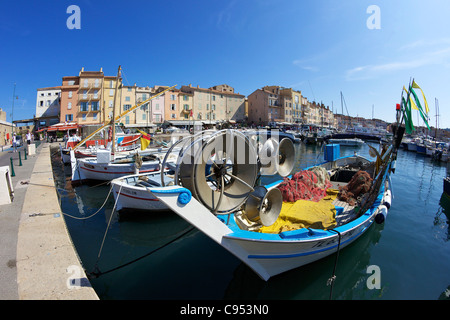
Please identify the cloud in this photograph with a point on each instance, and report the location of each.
(305, 65)
(436, 57)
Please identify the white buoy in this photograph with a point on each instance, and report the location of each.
(382, 214)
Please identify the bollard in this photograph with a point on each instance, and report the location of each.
(25, 151)
(12, 168)
(20, 160)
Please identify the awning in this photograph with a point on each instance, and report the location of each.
(62, 127)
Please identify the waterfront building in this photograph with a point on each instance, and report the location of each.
(89, 97)
(127, 98)
(47, 102)
(275, 105)
(157, 105)
(185, 105)
(216, 104)
(143, 113)
(69, 99)
(109, 88)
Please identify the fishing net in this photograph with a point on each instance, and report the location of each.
(356, 188)
(306, 185)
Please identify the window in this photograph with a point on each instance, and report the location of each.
(84, 94)
(69, 117)
(144, 116)
(129, 89)
(84, 107)
(173, 116)
(42, 94)
(83, 117)
(186, 107)
(110, 103)
(85, 83)
(172, 107)
(69, 105)
(95, 116)
(97, 83)
(172, 97)
(126, 107)
(127, 99)
(213, 98)
(111, 92)
(127, 120)
(48, 103)
(70, 94)
(185, 98)
(94, 105)
(144, 96)
(71, 82)
(41, 103)
(157, 106)
(111, 84)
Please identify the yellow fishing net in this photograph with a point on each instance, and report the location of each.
(305, 214)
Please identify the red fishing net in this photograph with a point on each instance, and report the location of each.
(305, 185)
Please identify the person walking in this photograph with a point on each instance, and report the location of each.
(14, 142)
(28, 137)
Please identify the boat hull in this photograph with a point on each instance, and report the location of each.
(278, 256)
(91, 170)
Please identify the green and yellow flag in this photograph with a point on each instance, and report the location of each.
(416, 86)
(409, 103)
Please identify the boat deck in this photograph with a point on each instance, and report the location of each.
(348, 213)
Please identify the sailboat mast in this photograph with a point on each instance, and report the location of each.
(113, 123)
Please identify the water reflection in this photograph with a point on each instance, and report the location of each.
(195, 267)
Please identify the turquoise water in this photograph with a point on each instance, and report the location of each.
(411, 250)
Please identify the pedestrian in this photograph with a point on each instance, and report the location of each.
(28, 137)
(14, 142)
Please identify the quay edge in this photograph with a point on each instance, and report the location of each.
(48, 267)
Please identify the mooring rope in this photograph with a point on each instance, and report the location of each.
(97, 273)
(332, 280)
(107, 227)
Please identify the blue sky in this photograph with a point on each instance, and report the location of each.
(319, 47)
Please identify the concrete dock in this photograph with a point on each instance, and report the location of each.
(38, 258)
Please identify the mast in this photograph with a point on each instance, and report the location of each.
(113, 123)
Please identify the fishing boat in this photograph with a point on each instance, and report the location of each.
(124, 143)
(354, 142)
(105, 168)
(131, 194)
(217, 192)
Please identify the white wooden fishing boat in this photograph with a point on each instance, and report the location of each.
(104, 168)
(217, 193)
(131, 192)
(347, 142)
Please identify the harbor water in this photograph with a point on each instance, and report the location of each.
(160, 256)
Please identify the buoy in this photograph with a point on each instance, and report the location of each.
(382, 214)
(387, 199)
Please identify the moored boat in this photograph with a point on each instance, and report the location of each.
(347, 142)
(219, 196)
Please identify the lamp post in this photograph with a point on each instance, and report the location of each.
(12, 111)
